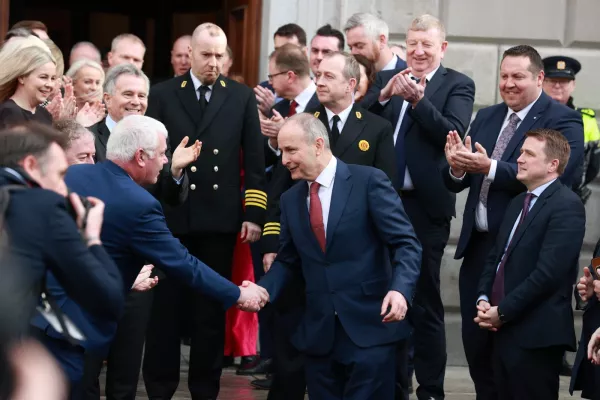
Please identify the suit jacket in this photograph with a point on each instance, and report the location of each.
(540, 268)
(545, 113)
(230, 132)
(134, 233)
(44, 237)
(354, 274)
(362, 127)
(165, 189)
(447, 106)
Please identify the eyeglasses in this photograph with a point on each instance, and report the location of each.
(271, 76)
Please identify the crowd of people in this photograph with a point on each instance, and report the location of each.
(307, 217)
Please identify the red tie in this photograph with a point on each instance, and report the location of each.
(293, 106)
(316, 214)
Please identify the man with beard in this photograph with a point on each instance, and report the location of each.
(203, 104)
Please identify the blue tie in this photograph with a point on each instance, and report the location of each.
(399, 147)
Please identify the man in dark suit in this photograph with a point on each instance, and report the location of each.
(222, 114)
(422, 113)
(126, 93)
(339, 237)
(490, 174)
(135, 231)
(527, 278)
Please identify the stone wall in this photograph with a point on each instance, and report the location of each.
(478, 32)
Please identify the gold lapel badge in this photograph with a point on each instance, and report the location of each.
(561, 65)
(317, 114)
(223, 83)
(359, 116)
(183, 84)
(363, 145)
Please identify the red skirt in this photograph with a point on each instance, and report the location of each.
(241, 328)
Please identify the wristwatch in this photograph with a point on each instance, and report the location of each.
(501, 316)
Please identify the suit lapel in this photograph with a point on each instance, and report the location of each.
(533, 116)
(189, 99)
(313, 102)
(104, 134)
(322, 115)
(539, 204)
(436, 82)
(217, 97)
(342, 187)
(352, 129)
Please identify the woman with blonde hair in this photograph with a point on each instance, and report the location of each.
(27, 79)
(88, 78)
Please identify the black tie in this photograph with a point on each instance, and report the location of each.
(202, 99)
(335, 132)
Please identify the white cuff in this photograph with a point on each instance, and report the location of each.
(276, 151)
(482, 297)
(492, 174)
(383, 103)
(456, 179)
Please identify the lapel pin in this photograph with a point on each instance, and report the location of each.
(183, 84)
(359, 116)
(317, 114)
(363, 144)
(223, 83)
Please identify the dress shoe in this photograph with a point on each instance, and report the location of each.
(257, 367)
(262, 384)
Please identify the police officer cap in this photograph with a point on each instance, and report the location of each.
(561, 67)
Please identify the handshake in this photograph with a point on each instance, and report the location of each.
(252, 297)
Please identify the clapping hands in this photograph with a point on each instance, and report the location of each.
(252, 297)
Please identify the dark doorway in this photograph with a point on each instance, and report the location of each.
(158, 24)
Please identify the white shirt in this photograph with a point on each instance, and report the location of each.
(481, 219)
(343, 117)
(197, 85)
(537, 193)
(391, 64)
(110, 123)
(302, 99)
(408, 184)
(326, 179)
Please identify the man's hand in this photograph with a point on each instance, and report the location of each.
(391, 89)
(596, 285)
(454, 144)
(250, 232)
(252, 297)
(265, 99)
(271, 127)
(268, 260)
(487, 316)
(143, 282)
(476, 162)
(397, 305)
(410, 90)
(585, 286)
(89, 115)
(594, 347)
(184, 156)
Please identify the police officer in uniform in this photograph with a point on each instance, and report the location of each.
(222, 114)
(559, 83)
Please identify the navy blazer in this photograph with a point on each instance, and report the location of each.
(545, 113)
(44, 237)
(446, 106)
(134, 233)
(353, 276)
(540, 268)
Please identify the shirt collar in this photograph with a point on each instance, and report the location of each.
(304, 97)
(327, 176)
(110, 123)
(391, 64)
(197, 82)
(523, 113)
(343, 115)
(429, 76)
(540, 189)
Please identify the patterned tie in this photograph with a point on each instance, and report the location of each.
(501, 144)
(315, 212)
(498, 287)
(292, 110)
